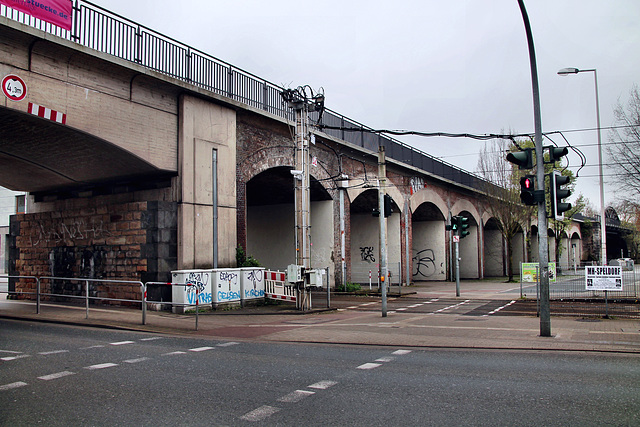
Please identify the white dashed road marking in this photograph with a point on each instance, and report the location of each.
(101, 366)
(12, 386)
(260, 414)
(151, 339)
(228, 344)
(122, 343)
(296, 396)
(323, 385)
(196, 350)
(369, 366)
(132, 361)
(498, 309)
(451, 307)
(56, 376)
(386, 359)
(8, 359)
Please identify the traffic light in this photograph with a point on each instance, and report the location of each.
(558, 207)
(524, 158)
(463, 225)
(556, 153)
(527, 190)
(454, 225)
(388, 205)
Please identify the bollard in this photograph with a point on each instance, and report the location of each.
(87, 298)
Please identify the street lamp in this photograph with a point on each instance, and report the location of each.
(603, 229)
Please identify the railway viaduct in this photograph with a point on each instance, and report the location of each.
(136, 168)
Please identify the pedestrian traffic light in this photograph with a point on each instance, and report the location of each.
(524, 158)
(463, 225)
(556, 153)
(527, 190)
(388, 205)
(454, 225)
(558, 194)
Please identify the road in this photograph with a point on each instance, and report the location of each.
(64, 375)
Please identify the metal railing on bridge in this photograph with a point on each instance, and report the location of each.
(107, 32)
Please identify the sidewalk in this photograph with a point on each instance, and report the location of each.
(282, 323)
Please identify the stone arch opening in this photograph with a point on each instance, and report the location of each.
(365, 239)
(429, 255)
(270, 220)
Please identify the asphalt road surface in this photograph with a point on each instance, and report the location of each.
(64, 375)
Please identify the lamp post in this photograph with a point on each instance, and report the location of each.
(603, 228)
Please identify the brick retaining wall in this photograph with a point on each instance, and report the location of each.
(127, 241)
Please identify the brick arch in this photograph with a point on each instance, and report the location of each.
(392, 190)
(427, 195)
(263, 160)
(269, 158)
(465, 205)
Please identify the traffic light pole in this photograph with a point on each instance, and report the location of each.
(382, 183)
(543, 242)
(457, 268)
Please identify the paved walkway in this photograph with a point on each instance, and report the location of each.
(280, 323)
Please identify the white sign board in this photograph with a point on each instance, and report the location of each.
(456, 239)
(603, 278)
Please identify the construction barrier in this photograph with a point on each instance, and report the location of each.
(277, 288)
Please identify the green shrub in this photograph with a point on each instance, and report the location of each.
(242, 260)
(349, 287)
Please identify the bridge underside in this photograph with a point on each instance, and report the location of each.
(41, 156)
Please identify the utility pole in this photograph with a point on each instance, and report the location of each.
(382, 183)
(298, 100)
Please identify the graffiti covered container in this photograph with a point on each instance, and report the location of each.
(225, 286)
(252, 282)
(184, 297)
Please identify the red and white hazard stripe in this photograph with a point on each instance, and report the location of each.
(276, 276)
(47, 113)
(281, 297)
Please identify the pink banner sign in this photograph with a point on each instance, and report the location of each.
(57, 12)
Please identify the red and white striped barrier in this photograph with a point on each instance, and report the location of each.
(277, 288)
(47, 113)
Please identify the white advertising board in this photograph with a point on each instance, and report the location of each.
(603, 278)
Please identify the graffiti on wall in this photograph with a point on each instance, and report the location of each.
(62, 232)
(200, 280)
(424, 264)
(366, 253)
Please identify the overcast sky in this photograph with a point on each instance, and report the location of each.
(428, 65)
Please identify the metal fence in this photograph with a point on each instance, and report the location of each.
(568, 295)
(107, 32)
(91, 290)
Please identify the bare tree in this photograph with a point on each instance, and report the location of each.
(624, 149)
(503, 197)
